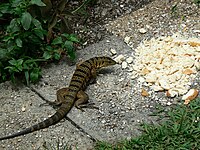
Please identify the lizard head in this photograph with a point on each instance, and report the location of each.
(105, 61)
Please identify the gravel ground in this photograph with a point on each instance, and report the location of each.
(157, 19)
(102, 12)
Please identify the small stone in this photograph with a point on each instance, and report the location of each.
(190, 95)
(134, 75)
(119, 58)
(129, 60)
(164, 84)
(172, 93)
(23, 109)
(157, 88)
(103, 121)
(113, 51)
(127, 39)
(169, 103)
(85, 43)
(196, 31)
(141, 80)
(124, 65)
(142, 30)
(144, 92)
(148, 26)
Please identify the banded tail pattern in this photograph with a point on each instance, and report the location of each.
(83, 73)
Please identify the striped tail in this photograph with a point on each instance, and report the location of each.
(60, 114)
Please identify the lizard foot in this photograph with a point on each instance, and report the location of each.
(55, 104)
(88, 105)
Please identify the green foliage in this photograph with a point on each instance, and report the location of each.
(23, 47)
(174, 10)
(180, 131)
(197, 2)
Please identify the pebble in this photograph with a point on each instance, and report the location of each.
(119, 58)
(129, 60)
(142, 30)
(191, 94)
(169, 103)
(113, 51)
(124, 65)
(23, 109)
(127, 39)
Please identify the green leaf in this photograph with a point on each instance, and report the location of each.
(16, 64)
(65, 35)
(7, 38)
(12, 62)
(5, 8)
(70, 49)
(37, 2)
(26, 20)
(73, 38)
(49, 48)
(57, 41)
(27, 77)
(47, 55)
(37, 23)
(25, 66)
(39, 33)
(18, 42)
(68, 45)
(12, 69)
(34, 75)
(16, 3)
(4, 55)
(57, 56)
(13, 26)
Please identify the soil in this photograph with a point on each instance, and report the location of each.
(89, 24)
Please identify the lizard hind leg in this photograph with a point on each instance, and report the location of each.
(82, 101)
(60, 97)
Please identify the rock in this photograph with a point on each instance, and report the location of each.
(142, 30)
(124, 65)
(113, 51)
(191, 94)
(119, 58)
(127, 39)
(129, 60)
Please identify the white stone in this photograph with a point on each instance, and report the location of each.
(119, 58)
(141, 79)
(127, 39)
(142, 30)
(113, 51)
(157, 88)
(190, 93)
(124, 65)
(23, 109)
(129, 60)
(172, 93)
(164, 84)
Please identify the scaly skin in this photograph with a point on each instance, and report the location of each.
(73, 95)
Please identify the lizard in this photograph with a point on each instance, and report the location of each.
(73, 95)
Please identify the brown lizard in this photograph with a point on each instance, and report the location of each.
(73, 95)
